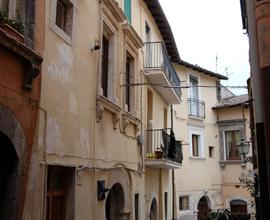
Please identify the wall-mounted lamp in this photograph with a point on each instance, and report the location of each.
(243, 149)
(101, 190)
(95, 46)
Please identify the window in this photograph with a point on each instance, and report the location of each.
(166, 205)
(238, 206)
(136, 202)
(196, 107)
(232, 138)
(105, 66)
(211, 151)
(9, 7)
(4, 5)
(196, 142)
(64, 15)
(183, 203)
(127, 9)
(60, 193)
(128, 81)
(195, 145)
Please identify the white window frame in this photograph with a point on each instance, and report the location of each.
(224, 143)
(197, 131)
(199, 83)
(52, 23)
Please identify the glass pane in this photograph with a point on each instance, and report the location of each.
(4, 5)
(195, 145)
(232, 138)
(61, 14)
(58, 180)
(58, 208)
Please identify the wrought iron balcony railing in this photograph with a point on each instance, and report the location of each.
(162, 145)
(196, 108)
(156, 57)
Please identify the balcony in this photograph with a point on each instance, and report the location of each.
(196, 108)
(162, 151)
(160, 71)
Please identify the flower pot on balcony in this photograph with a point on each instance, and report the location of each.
(262, 14)
(11, 32)
(159, 154)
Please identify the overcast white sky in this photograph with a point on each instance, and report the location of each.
(205, 28)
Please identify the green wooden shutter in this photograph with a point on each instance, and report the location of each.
(128, 10)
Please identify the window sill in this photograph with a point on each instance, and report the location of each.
(196, 117)
(132, 118)
(197, 158)
(60, 33)
(223, 163)
(102, 103)
(108, 104)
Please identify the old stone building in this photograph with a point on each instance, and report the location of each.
(103, 133)
(21, 49)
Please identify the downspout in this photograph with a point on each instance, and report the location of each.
(173, 175)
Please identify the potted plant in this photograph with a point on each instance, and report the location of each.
(11, 27)
(159, 153)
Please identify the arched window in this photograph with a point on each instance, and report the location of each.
(238, 206)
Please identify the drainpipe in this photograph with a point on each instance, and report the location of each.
(173, 176)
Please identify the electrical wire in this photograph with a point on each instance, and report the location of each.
(182, 87)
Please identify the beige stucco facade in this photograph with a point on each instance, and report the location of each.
(103, 139)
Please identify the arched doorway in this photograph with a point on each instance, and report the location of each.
(153, 210)
(203, 208)
(8, 178)
(115, 203)
(239, 209)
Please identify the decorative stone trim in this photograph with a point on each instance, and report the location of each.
(223, 163)
(129, 118)
(116, 118)
(105, 104)
(113, 6)
(99, 113)
(132, 35)
(32, 58)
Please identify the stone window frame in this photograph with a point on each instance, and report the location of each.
(66, 36)
(110, 31)
(197, 131)
(189, 203)
(229, 125)
(133, 90)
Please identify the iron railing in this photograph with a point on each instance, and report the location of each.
(196, 108)
(156, 57)
(161, 145)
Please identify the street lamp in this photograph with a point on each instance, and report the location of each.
(243, 149)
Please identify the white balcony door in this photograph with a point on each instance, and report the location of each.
(194, 96)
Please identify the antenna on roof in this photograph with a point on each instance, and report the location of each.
(216, 62)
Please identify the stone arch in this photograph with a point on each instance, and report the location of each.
(115, 203)
(203, 206)
(13, 140)
(154, 209)
(122, 177)
(228, 202)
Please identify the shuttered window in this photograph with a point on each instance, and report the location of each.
(128, 9)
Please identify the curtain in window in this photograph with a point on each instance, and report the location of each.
(232, 138)
(195, 145)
